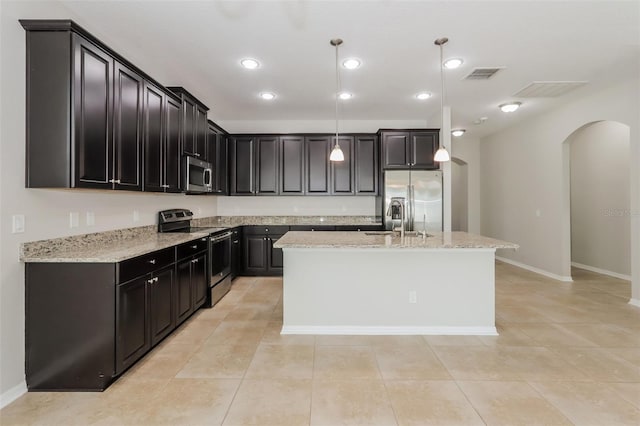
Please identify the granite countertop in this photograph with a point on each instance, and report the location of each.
(113, 251)
(444, 240)
(232, 221)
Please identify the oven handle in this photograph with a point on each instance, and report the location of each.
(221, 237)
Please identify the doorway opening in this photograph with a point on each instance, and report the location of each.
(459, 195)
(597, 214)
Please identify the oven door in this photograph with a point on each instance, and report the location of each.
(220, 256)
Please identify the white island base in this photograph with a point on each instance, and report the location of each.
(389, 291)
(357, 283)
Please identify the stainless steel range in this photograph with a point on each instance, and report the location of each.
(219, 259)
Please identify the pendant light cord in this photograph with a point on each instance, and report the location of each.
(337, 92)
(442, 91)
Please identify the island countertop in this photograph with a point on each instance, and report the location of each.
(366, 240)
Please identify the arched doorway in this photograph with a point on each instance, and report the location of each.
(597, 198)
(459, 195)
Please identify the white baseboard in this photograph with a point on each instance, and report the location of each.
(536, 270)
(386, 331)
(601, 271)
(12, 394)
(634, 302)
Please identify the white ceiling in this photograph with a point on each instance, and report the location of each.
(198, 45)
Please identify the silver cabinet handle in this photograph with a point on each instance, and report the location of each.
(155, 280)
(152, 261)
(195, 246)
(195, 154)
(150, 281)
(165, 186)
(203, 239)
(236, 242)
(114, 180)
(195, 261)
(266, 229)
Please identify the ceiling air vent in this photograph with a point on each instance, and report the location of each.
(548, 89)
(482, 73)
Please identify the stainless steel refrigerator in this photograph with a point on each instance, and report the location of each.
(422, 193)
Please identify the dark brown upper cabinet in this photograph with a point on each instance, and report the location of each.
(242, 161)
(410, 149)
(292, 165)
(94, 120)
(317, 150)
(366, 164)
(127, 126)
(266, 164)
(217, 155)
(161, 140)
(194, 124)
(342, 172)
(254, 165)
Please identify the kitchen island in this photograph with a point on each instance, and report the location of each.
(369, 283)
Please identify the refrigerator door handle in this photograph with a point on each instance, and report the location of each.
(413, 208)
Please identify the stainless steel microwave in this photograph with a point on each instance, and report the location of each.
(197, 175)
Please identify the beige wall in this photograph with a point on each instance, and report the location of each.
(467, 149)
(600, 220)
(525, 179)
(296, 206)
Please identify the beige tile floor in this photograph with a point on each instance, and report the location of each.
(567, 353)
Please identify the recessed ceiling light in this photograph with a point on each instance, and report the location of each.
(510, 107)
(345, 95)
(424, 95)
(458, 132)
(351, 63)
(453, 63)
(267, 96)
(249, 63)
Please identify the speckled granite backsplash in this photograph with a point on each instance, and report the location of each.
(286, 220)
(77, 242)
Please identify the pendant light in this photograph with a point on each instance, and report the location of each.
(336, 153)
(442, 155)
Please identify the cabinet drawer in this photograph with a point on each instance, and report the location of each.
(141, 265)
(192, 247)
(313, 228)
(266, 230)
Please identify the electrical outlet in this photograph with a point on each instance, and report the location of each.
(91, 218)
(413, 296)
(136, 216)
(17, 225)
(74, 220)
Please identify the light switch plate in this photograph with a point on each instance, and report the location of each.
(91, 218)
(74, 220)
(17, 225)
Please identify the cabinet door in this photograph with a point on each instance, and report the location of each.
(242, 165)
(161, 306)
(93, 103)
(342, 179)
(292, 165)
(172, 146)
(255, 254)
(366, 160)
(188, 127)
(395, 150)
(423, 147)
(183, 296)
(212, 155)
(222, 161)
(317, 164)
(275, 256)
(154, 115)
(200, 147)
(127, 128)
(267, 165)
(199, 280)
(132, 322)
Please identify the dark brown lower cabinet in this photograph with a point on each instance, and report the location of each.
(259, 255)
(192, 285)
(86, 323)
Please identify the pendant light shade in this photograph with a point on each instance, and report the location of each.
(442, 155)
(336, 152)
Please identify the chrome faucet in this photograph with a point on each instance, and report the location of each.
(397, 202)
